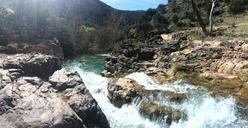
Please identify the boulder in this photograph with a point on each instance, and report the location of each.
(23, 104)
(33, 64)
(122, 91)
(164, 114)
(72, 88)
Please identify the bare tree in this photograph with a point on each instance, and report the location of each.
(198, 16)
(211, 16)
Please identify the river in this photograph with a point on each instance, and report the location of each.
(203, 110)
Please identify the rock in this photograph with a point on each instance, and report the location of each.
(162, 113)
(4, 78)
(242, 74)
(33, 64)
(167, 37)
(244, 47)
(219, 65)
(212, 75)
(146, 54)
(2, 49)
(170, 46)
(26, 106)
(11, 49)
(122, 91)
(32, 102)
(158, 94)
(105, 73)
(72, 88)
(159, 76)
(244, 92)
(47, 47)
(32, 95)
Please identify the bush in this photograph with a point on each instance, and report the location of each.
(238, 6)
(160, 22)
(185, 23)
(87, 29)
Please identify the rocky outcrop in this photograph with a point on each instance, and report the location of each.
(219, 65)
(47, 47)
(59, 100)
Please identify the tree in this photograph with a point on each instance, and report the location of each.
(211, 16)
(198, 16)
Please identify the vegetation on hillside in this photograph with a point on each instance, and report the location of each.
(90, 26)
(179, 15)
(30, 21)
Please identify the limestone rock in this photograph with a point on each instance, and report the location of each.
(122, 91)
(30, 98)
(33, 64)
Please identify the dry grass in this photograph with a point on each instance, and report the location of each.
(242, 26)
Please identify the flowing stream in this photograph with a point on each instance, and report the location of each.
(203, 110)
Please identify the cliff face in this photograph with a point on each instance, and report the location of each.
(82, 26)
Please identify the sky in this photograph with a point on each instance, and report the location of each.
(134, 4)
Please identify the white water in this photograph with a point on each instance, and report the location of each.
(203, 110)
(126, 117)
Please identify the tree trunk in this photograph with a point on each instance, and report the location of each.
(211, 16)
(198, 16)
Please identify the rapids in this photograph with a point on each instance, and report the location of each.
(202, 109)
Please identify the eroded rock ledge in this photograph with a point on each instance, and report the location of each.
(219, 65)
(34, 93)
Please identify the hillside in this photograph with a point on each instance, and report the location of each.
(82, 26)
(178, 15)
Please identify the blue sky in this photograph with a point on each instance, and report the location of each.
(134, 4)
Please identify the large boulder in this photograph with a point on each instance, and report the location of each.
(33, 64)
(63, 101)
(122, 91)
(73, 90)
(25, 104)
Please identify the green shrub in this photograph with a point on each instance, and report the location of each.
(87, 29)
